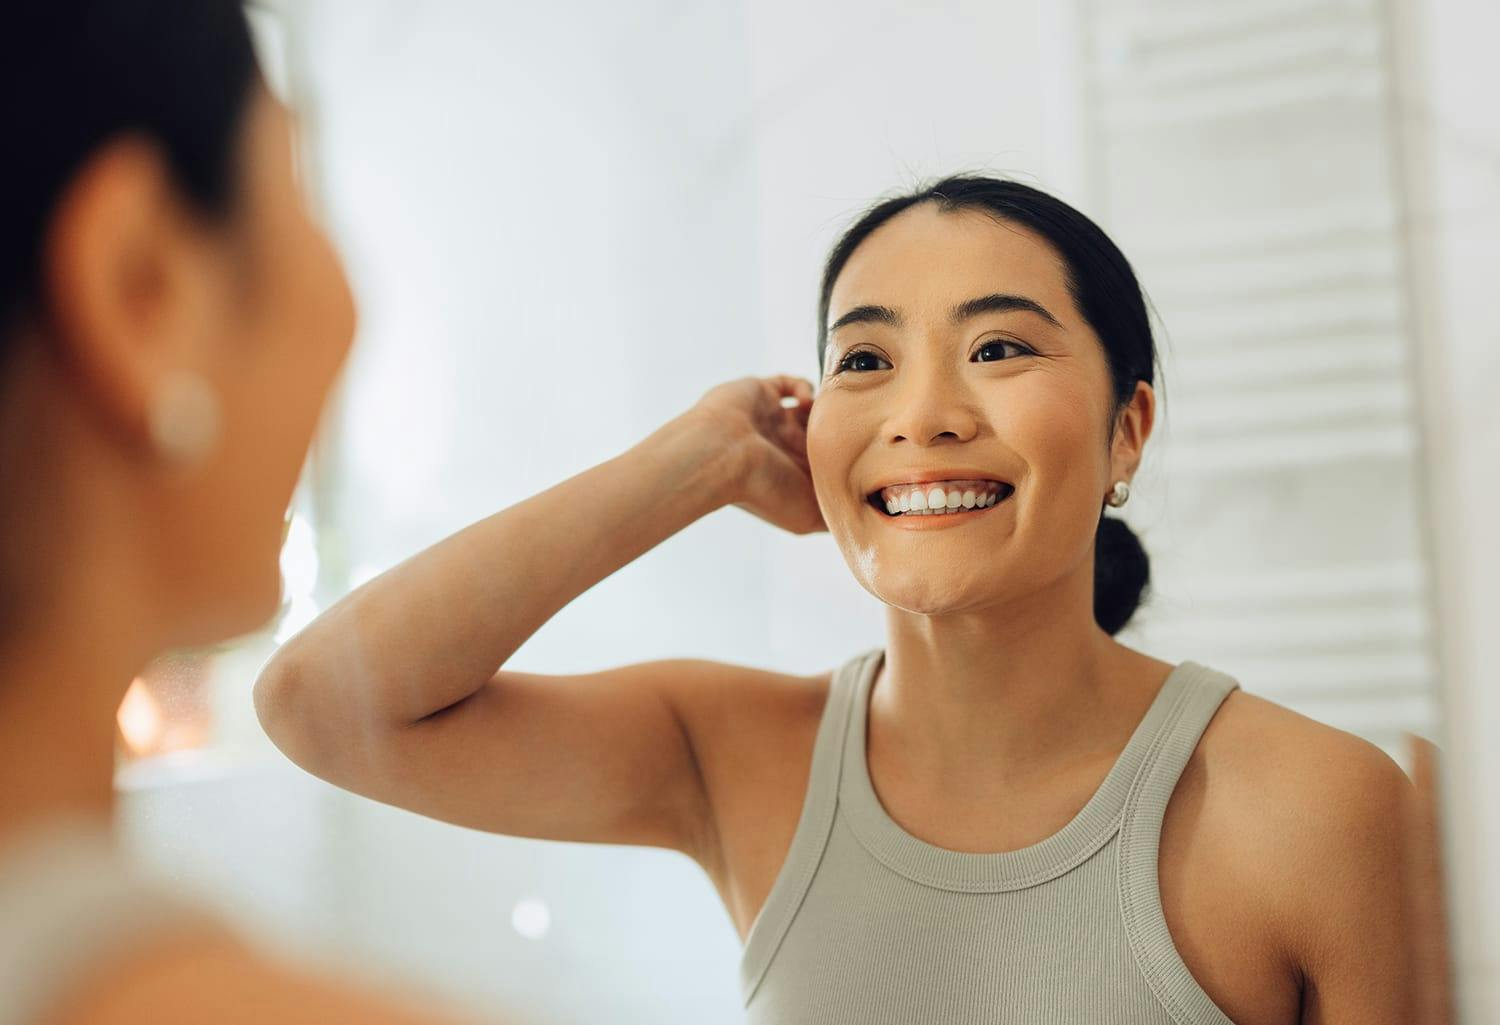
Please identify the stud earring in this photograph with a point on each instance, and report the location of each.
(184, 417)
(1120, 495)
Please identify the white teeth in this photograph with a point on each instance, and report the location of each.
(928, 500)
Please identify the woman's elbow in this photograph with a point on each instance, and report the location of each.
(281, 705)
(317, 721)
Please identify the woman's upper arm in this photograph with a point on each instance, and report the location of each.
(1349, 890)
(603, 757)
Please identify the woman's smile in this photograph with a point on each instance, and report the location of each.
(937, 513)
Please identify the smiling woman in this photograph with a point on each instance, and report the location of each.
(1000, 815)
(861, 334)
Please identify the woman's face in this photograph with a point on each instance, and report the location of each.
(956, 354)
(278, 321)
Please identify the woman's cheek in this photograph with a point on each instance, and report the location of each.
(1061, 441)
(823, 446)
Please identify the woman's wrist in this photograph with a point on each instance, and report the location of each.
(701, 466)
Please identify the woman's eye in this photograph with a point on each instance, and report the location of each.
(1001, 341)
(847, 363)
(849, 357)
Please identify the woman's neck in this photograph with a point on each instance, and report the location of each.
(1012, 692)
(60, 686)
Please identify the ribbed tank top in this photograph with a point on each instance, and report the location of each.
(867, 924)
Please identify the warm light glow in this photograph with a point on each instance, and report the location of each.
(140, 719)
(164, 711)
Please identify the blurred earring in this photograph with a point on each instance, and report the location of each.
(1120, 495)
(184, 417)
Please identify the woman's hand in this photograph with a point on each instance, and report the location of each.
(767, 445)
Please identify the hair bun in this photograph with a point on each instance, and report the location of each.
(1122, 572)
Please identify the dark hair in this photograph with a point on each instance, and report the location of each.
(76, 73)
(1103, 288)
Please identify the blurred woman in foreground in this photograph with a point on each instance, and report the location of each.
(170, 322)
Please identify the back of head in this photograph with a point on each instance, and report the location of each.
(75, 76)
(76, 73)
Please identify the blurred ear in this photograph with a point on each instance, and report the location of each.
(1132, 428)
(123, 278)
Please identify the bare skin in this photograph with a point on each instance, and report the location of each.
(124, 554)
(1282, 870)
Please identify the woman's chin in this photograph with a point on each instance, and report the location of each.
(236, 609)
(929, 597)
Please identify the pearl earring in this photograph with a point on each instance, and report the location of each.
(1120, 495)
(184, 417)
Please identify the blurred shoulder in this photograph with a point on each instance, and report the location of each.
(213, 974)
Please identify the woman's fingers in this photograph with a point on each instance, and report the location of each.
(787, 499)
(765, 419)
(789, 385)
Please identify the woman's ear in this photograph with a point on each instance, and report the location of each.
(1132, 427)
(123, 277)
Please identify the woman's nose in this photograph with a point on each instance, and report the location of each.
(929, 405)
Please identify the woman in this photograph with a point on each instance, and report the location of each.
(1000, 814)
(170, 322)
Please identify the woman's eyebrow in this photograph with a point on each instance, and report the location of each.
(998, 303)
(867, 315)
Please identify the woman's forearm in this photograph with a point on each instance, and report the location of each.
(434, 629)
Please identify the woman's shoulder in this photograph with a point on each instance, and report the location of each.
(1308, 815)
(71, 903)
(1253, 741)
(88, 937)
(66, 869)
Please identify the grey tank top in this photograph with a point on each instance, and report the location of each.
(867, 924)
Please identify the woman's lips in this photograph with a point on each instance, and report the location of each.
(930, 520)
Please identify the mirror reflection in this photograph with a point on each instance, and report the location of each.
(747, 512)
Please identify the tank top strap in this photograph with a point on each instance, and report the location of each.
(813, 827)
(1203, 691)
(69, 903)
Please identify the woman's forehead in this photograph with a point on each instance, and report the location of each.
(926, 259)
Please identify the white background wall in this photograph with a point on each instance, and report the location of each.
(563, 224)
(1452, 167)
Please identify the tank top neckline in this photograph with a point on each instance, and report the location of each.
(993, 872)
